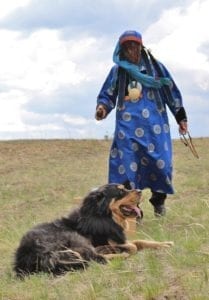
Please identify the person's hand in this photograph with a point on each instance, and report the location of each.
(101, 112)
(183, 127)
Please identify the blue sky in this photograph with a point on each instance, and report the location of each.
(56, 54)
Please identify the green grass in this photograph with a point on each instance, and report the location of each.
(40, 180)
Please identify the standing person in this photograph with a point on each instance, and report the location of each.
(141, 152)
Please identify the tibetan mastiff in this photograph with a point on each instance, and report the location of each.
(95, 231)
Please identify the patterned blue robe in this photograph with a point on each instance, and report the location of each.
(141, 151)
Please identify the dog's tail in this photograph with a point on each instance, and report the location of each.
(29, 260)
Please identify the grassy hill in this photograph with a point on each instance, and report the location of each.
(40, 180)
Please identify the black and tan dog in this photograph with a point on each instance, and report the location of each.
(93, 232)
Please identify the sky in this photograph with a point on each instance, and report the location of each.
(56, 54)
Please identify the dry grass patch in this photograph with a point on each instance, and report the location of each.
(39, 180)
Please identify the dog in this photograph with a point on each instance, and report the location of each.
(94, 231)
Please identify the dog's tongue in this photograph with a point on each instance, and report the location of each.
(137, 210)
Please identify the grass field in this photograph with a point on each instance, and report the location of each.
(40, 180)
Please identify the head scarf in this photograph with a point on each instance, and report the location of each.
(132, 69)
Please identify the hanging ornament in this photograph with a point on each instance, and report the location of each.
(134, 90)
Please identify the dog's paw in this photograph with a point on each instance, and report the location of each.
(101, 259)
(167, 244)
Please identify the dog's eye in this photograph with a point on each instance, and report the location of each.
(121, 194)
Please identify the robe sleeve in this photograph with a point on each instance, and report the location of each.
(109, 91)
(176, 105)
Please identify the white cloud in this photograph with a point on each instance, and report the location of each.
(177, 39)
(178, 35)
(59, 126)
(8, 6)
(38, 62)
(10, 112)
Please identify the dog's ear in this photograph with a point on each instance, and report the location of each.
(96, 203)
(103, 206)
(102, 202)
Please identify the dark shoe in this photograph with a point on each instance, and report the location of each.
(159, 210)
(158, 200)
(127, 185)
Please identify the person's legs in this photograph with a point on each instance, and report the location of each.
(158, 202)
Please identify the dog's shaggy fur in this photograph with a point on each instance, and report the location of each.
(93, 232)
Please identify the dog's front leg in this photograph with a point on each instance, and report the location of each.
(144, 244)
(117, 250)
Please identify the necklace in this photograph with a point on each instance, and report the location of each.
(134, 90)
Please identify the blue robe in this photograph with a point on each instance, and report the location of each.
(141, 151)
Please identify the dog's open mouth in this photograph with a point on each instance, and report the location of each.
(131, 211)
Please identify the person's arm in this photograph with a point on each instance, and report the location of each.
(106, 99)
(176, 105)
